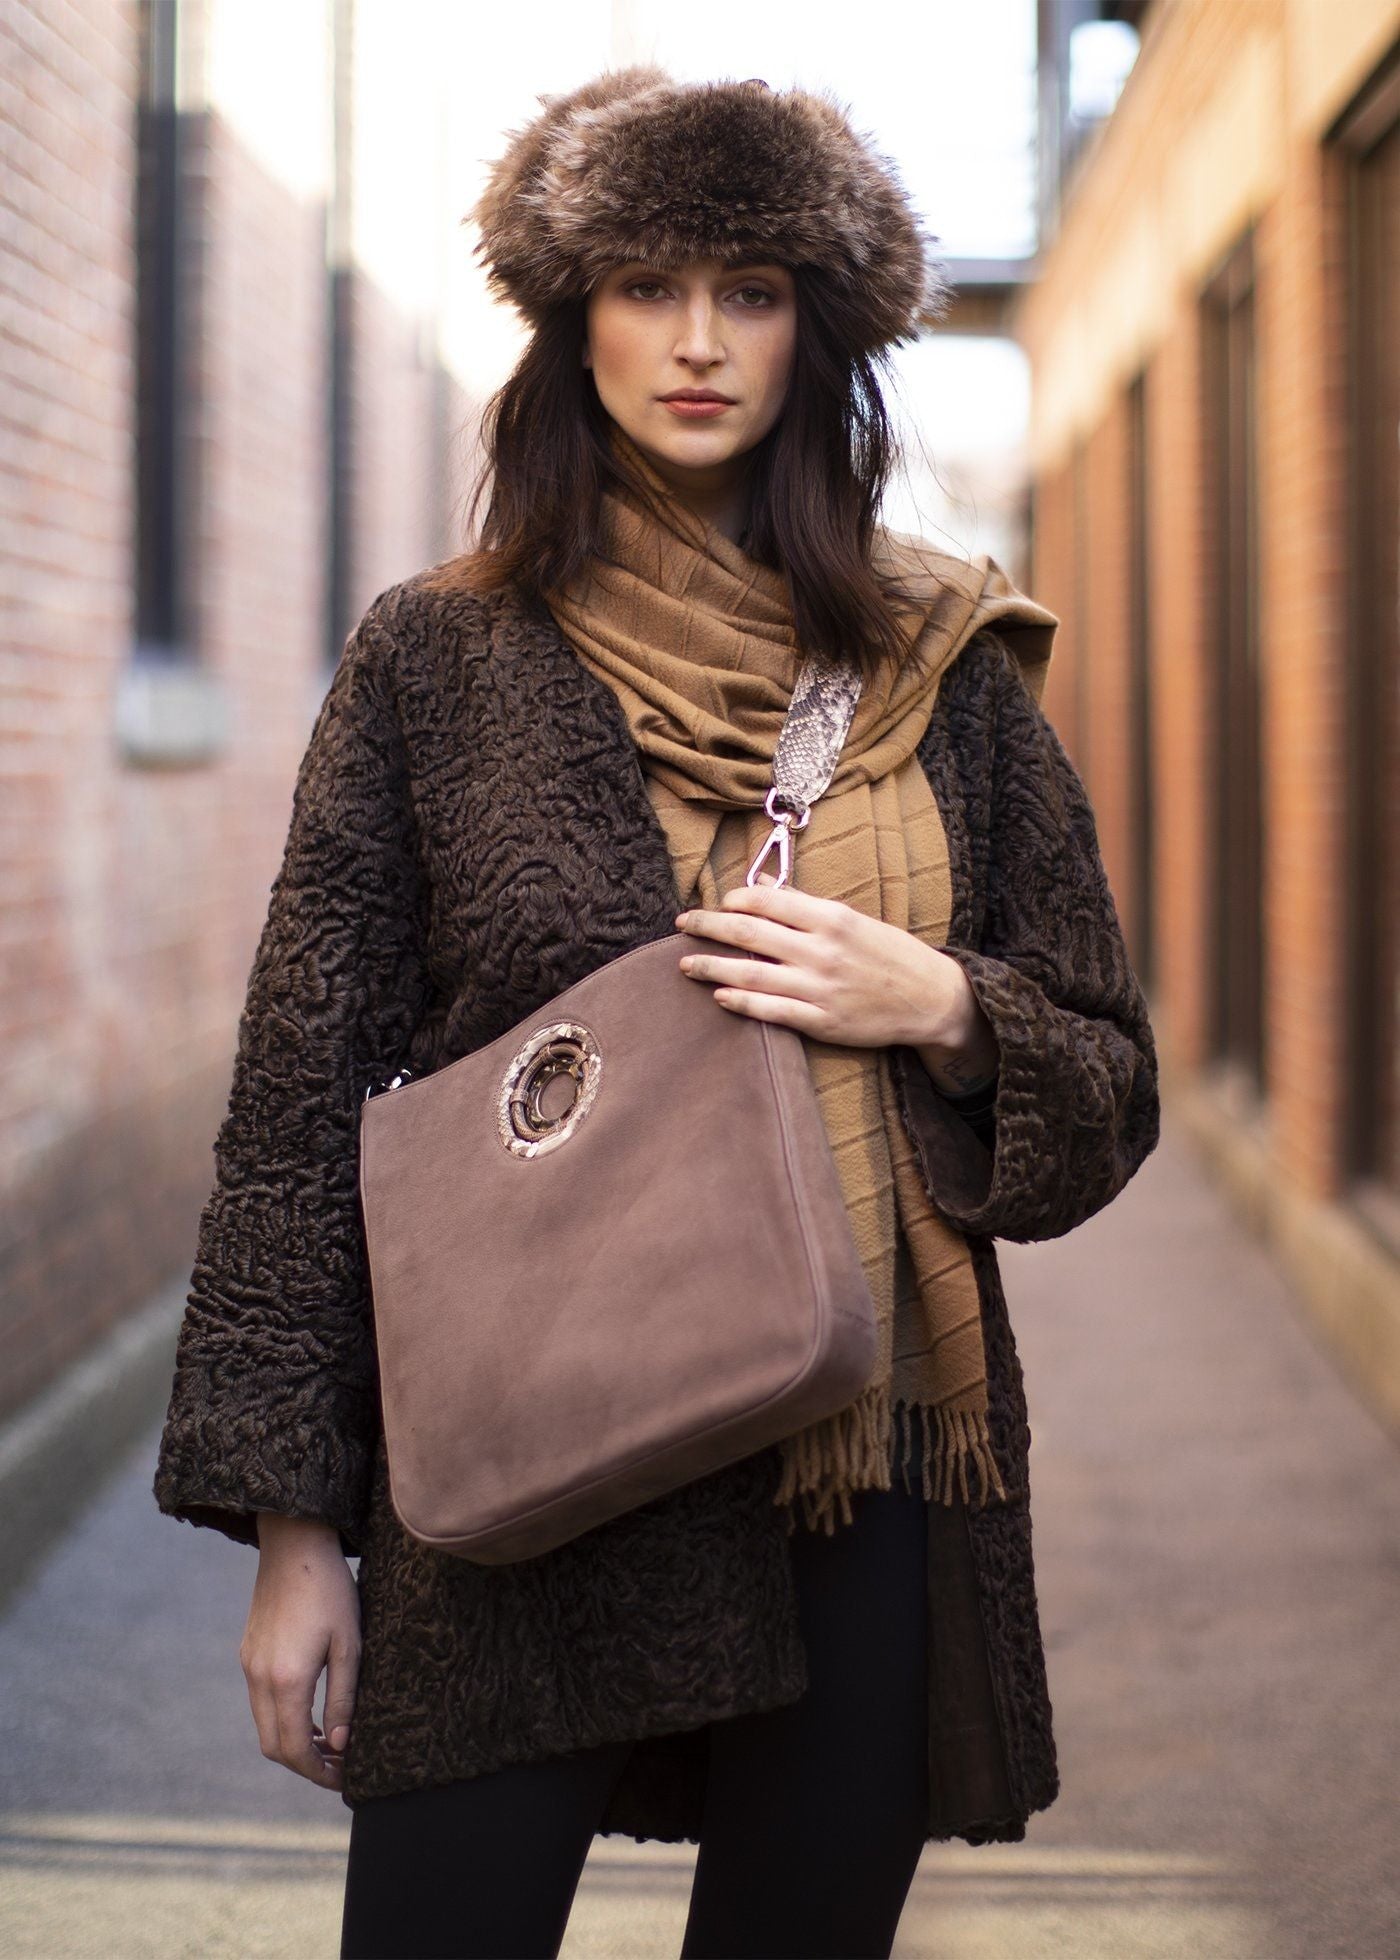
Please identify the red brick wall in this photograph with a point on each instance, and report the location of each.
(1303, 575)
(133, 896)
(1301, 325)
(1302, 484)
(1177, 546)
(1052, 582)
(1107, 604)
(80, 1006)
(1093, 634)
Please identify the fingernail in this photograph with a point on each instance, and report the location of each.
(339, 1737)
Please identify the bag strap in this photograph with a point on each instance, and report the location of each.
(814, 731)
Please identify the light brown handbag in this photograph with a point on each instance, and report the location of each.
(609, 1251)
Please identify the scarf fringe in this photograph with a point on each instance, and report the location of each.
(852, 1450)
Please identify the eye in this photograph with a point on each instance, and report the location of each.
(761, 293)
(635, 285)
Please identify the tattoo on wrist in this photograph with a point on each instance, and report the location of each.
(967, 1082)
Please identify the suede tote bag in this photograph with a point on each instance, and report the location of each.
(608, 1252)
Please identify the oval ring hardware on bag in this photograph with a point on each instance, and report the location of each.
(548, 1088)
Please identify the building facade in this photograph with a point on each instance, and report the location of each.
(1214, 338)
(220, 436)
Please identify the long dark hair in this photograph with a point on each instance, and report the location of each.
(815, 480)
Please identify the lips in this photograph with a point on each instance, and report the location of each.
(697, 411)
(696, 406)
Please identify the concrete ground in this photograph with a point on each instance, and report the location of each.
(1218, 1542)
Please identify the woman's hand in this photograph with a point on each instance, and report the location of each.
(832, 972)
(305, 1616)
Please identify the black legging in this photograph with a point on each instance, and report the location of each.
(814, 1812)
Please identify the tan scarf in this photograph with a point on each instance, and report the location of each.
(697, 641)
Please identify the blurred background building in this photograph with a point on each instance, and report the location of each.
(1214, 338)
(245, 344)
(226, 424)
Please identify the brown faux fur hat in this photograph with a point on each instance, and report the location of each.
(635, 165)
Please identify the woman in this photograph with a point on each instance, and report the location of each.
(531, 759)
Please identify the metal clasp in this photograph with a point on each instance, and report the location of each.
(785, 822)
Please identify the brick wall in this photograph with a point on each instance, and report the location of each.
(1300, 246)
(1106, 602)
(1225, 128)
(1177, 544)
(133, 896)
(1304, 570)
(76, 984)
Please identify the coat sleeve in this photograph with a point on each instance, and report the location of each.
(1075, 1110)
(274, 1402)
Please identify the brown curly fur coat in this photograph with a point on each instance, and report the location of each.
(471, 833)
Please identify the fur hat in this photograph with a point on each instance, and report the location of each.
(635, 165)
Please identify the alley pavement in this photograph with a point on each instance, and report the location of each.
(1217, 1530)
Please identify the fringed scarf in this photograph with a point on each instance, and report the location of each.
(697, 641)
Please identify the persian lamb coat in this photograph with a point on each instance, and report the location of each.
(470, 834)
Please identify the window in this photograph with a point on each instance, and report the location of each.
(1235, 879)
(161, 625)
(168, 710)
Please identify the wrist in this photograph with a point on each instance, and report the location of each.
(961, 1054)
(275, 1530)
(958, 1079)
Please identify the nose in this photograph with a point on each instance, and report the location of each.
(699, 342)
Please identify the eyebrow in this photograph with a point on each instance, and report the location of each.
(725, 272)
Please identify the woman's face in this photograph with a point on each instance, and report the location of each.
(727, 330)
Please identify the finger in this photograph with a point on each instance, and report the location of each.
(342, 1673)
(797, 1014)
(264, 1709)
(754, 932)
(759, 976)
(803, 911)
(295, 1747)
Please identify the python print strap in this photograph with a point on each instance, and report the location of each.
(818, 721)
